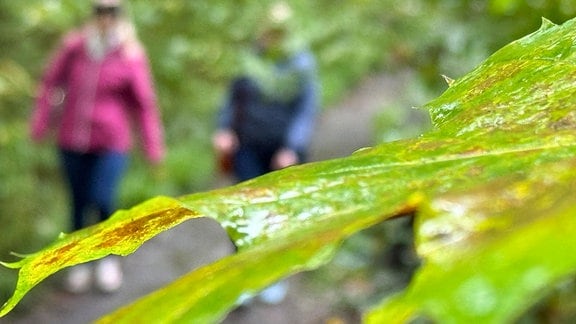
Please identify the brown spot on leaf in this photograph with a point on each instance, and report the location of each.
(141, 228)
(475, 171)
(566, 122)
(59, 255)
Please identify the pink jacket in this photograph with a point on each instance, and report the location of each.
(102, 100)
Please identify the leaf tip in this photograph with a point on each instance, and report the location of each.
(448, 80)
(362, 150)
(10, 265)
(546, 24)
(14, 265)
(7, 307)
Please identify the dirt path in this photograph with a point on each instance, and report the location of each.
(348, 126)
(341, 130)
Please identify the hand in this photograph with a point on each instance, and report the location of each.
(225, 142)
(284, 158)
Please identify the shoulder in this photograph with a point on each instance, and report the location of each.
(304, 60)
(133, 51)
(132, 48)
(72, 40)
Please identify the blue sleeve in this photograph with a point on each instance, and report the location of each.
(301, 130)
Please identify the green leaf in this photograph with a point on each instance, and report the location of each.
(489, 245)
(488, 248)
(122, 234)
(492, 187)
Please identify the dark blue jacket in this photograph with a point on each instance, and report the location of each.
(260, 120)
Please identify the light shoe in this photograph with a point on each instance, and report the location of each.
(275, 294)
(78, 279)
(109, 274)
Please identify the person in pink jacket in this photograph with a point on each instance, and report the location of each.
(94, 89)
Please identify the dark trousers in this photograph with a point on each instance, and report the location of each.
(251, 161)
(93, 181)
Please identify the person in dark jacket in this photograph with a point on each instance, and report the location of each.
(268, 117)
(267, 120)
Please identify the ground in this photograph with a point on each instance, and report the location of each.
(341, 130)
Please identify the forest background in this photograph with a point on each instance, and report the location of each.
(193, 47)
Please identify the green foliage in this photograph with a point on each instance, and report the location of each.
(491, 185)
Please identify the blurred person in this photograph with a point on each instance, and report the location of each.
(267, 119)
(95, 87)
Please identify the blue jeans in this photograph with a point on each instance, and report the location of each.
(93, 181)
